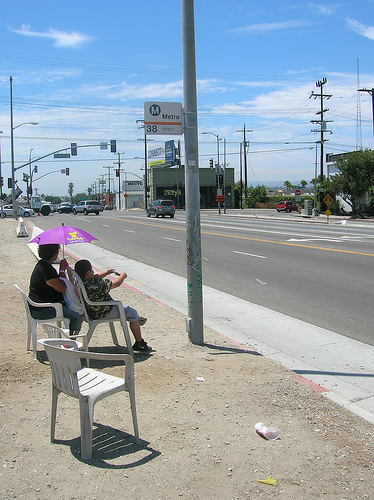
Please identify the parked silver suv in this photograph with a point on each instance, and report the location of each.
(161, 207)
(87, 207)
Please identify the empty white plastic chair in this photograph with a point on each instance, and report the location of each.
(87, 385)
(32, 323)
(55, 332)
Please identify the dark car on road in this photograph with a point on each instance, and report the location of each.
(65, 208)
(287, 206)
(161, 207)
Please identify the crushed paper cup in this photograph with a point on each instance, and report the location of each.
(269, 433)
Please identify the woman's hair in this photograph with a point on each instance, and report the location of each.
(46, 252)
(82, 267)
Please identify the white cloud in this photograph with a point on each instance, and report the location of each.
(361, 29)
(269, 27)
(63, 39)
(324, 9)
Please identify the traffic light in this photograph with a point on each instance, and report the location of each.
(67, 171)
(113, 146)
(220, 180)
(148, 188)
(73, 149)
(2, 181)
(117, 172)
(36, 169)
(211, 163)
(10, 183)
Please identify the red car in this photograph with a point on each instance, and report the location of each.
(287, 206)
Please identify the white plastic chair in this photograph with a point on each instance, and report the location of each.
(55, 332)
(87, 385)
(92, 323)
(32, 323)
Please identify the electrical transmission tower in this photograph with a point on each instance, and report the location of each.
(322, 122)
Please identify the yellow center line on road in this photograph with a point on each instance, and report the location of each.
(247, 238)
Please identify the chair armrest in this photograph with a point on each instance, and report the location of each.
(56, 305)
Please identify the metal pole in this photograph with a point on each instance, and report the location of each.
(245, 167)
(119, 181)
(145, 171)
(218, 172)
(194, 323)
(1, 178)
(241, 176)
(224, 176)
(12, 148)
(29, 190)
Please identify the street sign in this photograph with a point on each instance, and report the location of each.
(328, 199)
(163, 118)
(297, 195)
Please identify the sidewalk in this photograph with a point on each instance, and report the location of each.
(197, 407)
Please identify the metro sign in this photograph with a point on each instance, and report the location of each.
(163, 118)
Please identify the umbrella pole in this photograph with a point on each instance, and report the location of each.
(63, 246)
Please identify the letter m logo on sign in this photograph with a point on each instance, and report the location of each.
(155, 110)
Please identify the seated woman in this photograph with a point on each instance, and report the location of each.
(46, 285)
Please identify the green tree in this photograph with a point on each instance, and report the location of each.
(355, 178)
(289, 186)
(304, 183)
(258, 194)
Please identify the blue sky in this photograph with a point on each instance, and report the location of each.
(83, 71)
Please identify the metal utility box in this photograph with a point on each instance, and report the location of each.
(308, 207)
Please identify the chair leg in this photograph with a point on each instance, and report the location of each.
(127, 339)
(28, 340)
(55, 393)
(34, 335)
(86, 409)
(133, 412)
(113, 332)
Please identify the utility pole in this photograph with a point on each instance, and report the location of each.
(245, 145)
(194, 322)
(322, 122)
(108, 182)
(119, 180)
(371, 92)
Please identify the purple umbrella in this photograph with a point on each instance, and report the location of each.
(63, 235)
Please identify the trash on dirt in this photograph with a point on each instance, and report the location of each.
(269, 433)
(269, 480)
(200, 379)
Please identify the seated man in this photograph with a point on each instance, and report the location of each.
(98, 290)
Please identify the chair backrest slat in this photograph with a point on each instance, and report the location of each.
(64, 365)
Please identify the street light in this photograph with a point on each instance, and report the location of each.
(12, 129)
(218, 164)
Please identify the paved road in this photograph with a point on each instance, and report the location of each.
(315, 272)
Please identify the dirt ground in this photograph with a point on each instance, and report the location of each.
(197, 408)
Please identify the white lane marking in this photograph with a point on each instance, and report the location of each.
(316, 239)
(129, 231)
(105, 225)
(261, 282)
(172, 239)
(250, 254)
